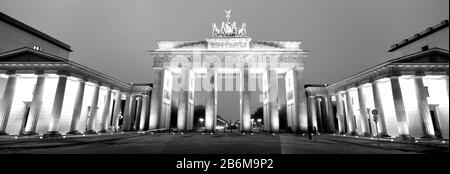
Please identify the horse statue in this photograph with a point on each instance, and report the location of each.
(243, 30)
(215, 30)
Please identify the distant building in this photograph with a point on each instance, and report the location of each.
(43, 92)
(410, 93)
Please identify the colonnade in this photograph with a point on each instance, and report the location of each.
(135, 114)
(402, 103)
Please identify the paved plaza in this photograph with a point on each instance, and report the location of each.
(218, 143)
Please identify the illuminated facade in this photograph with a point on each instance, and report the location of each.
(410, 93)
(230, 53)
(43, 92)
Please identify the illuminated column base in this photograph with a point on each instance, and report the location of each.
(382, 131)
(117, 110)
(127, 113)
(273, 101)
(6, 101)
(350, 115)
(399, 109)
(36, 103)
(330, 113)
(137, 118)
(106, 111)
(144, 121)
(210, 102)
(57, 107)
(312, 115)
(300, 101)
(183, 100)
(424, 110)
(156, 100)
(363, 113)
(340, 113)
(245, 102)
(77, 109)
(93, 110)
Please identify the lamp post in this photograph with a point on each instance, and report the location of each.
(259, 125)
(201, 121)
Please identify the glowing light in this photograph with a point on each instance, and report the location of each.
(443, 142)
(121, 132)
(356, 136)
(273, 134)
(392, 139)
(416, 141)
(371, 138)
(203, 133)
(99, 133)
(318, 133)
(64, 136)
(252, 133)
(212, 133)
(40, 137)
(143, 132)
(84, 135)
(151, 133)
(173, 133)
(343, 135)
(16, 137)
(334, 134)
(181, 133)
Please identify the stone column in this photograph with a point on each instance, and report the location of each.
(319, 114)
(300, 100)
(6, 101)
(381, 124)
(363, 112)
(133, 116)
(422, 105)
(330, 113)
(340, 113)
(36, 104)
(210, 101)
(144, 121)
(183, 100)
(93, 110)
(273, 101)
(77, 109)
(57, 106)
(117, 110)
(127, 113)
(245, 101)
(350, 115)
(312, 114)
(138, 113)
(446, 84)
(106, 112)
(399, 107)
(156, 100)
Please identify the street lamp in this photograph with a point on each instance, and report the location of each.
(259, 124)
(201, 121)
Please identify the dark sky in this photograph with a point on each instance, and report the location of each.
(344, 36)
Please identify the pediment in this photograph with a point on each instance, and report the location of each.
(28, 55)
(430, 57)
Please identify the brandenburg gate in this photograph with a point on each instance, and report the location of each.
(228, 52)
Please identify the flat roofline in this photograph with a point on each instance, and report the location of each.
(33, 31)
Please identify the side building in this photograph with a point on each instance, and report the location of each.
(43, 92)
(409, 93)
